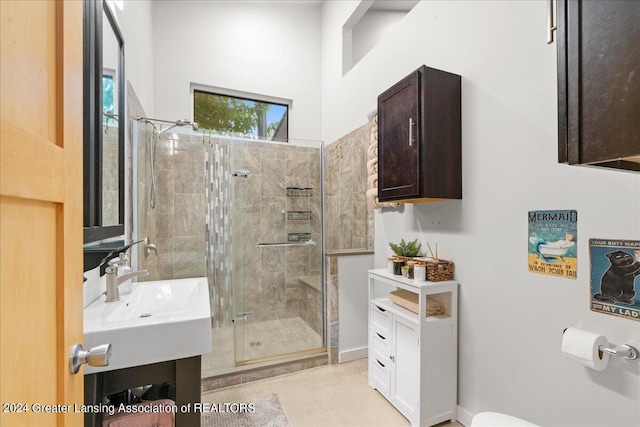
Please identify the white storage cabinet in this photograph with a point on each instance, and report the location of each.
(413, 358)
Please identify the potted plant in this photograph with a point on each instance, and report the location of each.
(404, 250)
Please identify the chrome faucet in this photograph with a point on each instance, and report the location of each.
(113, 280)
(148, 247)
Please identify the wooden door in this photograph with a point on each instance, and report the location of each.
(398, 142)
(40, 211)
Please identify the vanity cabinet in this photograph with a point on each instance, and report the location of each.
(184, 373)
(599, 83)
(419, 134)
(413, 358)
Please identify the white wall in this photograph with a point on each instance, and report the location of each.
(371, 29)
(511, 321)
(270, 48)
(135, 22)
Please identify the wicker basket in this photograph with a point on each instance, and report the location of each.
(439, 270)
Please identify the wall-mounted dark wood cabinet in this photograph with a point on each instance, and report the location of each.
(419, 151)
(599, 83)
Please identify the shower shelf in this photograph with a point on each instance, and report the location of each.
(298, 215)
(299, 191)
(298, 237)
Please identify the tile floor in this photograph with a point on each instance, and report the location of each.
(261, 339)
(327, 396)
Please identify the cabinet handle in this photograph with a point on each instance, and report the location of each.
(410, 131)
(381, 364)
(380, 336)
(550, 25)
(381, 309)
(393, 358)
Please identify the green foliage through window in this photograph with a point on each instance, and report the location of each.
(107, 98)
(239, 115)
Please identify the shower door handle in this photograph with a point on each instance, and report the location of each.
(242, 316)
(309, 242)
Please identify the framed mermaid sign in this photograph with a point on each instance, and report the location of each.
(615, 265)
(552, 243)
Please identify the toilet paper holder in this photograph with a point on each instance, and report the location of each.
(625, 350)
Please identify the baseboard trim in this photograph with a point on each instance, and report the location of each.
(353, 354)
(464, 416)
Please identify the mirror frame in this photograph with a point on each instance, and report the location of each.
(94, 230)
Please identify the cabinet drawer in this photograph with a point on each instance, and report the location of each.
(380, 376)
(380, 320)
(380, 345)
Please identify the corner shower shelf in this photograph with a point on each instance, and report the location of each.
(298, 237)
(299, 191)
(299, 215)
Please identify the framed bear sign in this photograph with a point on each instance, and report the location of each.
(615, 265)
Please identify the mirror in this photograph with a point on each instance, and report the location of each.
(103, 124)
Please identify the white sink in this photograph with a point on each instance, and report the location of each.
(159, 321)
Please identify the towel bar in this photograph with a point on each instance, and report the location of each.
(309, 242)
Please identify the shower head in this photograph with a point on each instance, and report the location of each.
(181, 122)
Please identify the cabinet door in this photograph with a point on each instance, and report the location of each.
(599, 83)
(398, 142)
(406, 380)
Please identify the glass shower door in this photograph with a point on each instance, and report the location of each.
(276, 216)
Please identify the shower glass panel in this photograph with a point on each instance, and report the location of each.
(277, 239)
(176, 225)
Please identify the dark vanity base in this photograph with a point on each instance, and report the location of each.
(185, 373)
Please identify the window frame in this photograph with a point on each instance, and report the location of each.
(249, 96)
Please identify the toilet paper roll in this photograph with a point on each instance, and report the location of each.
(584, 347)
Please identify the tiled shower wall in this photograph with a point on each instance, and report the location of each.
(272, 288)
(176, 225)
(349, 222)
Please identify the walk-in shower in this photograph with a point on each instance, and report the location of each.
(248, 214)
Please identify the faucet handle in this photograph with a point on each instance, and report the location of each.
(125, 258)
(113, 265)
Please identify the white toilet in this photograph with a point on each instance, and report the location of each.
(494, 419)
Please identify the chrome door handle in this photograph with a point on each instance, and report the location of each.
(242, 316)
(95, 356)
(410, 131)
(309, 242)
(550, 25)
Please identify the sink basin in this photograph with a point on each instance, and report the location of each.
(158, 321)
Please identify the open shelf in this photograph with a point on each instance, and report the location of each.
(389, 305)
(299, 215)
(299, 191)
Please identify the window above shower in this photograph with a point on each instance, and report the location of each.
(245, 116)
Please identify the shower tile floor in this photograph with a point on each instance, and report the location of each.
(275, 337)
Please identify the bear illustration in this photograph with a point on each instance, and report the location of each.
(617, 282)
